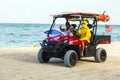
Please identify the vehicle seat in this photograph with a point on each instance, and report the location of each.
(91, 27)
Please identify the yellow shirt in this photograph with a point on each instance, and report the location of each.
(85, 33)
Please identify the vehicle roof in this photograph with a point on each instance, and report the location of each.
(75, 13)
(80, 14)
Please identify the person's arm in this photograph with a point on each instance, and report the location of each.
(62, 29)
(78, 33)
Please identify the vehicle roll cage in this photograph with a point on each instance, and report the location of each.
(92, 26)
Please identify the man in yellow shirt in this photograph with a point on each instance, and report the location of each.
(84, 34)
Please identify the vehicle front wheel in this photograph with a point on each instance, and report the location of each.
(42, 56)
(70, 58)
(100, 55)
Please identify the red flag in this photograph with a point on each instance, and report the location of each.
(108, 28)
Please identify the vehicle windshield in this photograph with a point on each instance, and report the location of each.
(61, 22)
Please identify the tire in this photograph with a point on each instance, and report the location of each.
(100, 55)
(42, 56)
(70, 58)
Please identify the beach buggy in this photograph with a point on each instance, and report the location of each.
(68, 47)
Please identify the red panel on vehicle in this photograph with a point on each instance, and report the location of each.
(107, 41)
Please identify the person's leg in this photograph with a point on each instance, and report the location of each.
(83, 46)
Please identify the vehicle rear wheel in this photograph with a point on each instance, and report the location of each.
(100, 55)
(70, 58)
(42, 56)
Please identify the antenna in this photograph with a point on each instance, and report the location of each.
(104, 12)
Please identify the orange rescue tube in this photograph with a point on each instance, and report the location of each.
(103, 18)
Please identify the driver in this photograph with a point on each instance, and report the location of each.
(84, 34)
(67, 29)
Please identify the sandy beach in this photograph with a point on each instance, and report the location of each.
(22, 64)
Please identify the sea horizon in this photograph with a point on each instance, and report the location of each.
(26, 34)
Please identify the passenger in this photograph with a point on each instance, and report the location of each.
(67, 29)
(84, 34)
(72, 30)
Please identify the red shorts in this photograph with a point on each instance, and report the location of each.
(85, 41)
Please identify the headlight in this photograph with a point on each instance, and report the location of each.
(44, 42)
(65, 41)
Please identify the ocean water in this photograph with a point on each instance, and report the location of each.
(24, 35)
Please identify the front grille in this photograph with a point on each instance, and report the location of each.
(50, 45)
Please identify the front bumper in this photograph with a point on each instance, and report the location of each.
(54, 47)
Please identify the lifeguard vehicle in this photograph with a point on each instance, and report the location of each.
(68, 47)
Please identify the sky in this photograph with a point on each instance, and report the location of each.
(39, 11)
